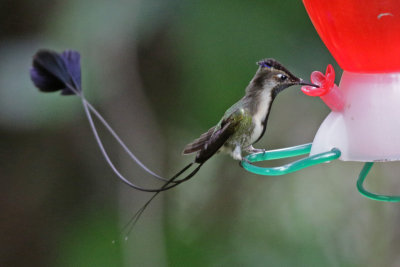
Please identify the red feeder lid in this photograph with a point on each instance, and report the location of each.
(362, 35)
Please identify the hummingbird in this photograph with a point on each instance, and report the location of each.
(245, 122)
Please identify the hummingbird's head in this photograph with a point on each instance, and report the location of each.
(274, 77)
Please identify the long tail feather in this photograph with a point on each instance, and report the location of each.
(134, 219)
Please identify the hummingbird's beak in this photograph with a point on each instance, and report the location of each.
(302, 82)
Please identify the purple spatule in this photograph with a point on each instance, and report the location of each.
(52, 71)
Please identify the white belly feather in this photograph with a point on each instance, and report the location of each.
(259, 117)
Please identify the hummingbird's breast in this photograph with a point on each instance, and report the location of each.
(260, 116)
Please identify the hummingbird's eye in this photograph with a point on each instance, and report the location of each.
(282, 77)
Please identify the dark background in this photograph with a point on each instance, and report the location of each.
(162, 72)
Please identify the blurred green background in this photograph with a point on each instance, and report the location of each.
(162, 72)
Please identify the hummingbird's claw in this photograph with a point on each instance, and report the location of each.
(253, 150)
(245, 160)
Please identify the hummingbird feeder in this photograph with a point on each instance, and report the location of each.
(364, 123)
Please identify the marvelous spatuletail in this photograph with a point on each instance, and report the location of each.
(241, 126)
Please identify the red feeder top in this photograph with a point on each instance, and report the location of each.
(362, 35)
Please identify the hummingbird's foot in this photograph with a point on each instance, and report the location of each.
(244, 160)
(252, 150)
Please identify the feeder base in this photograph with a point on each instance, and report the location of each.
(368, 128)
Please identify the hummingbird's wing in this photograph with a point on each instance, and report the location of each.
(199, 143)
(222, 132)
(211, 141)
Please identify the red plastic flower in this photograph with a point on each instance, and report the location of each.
(325, 82)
